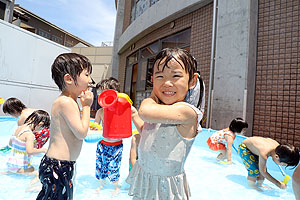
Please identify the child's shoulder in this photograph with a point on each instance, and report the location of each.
(63, 100)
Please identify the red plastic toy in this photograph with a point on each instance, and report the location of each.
(116, 115)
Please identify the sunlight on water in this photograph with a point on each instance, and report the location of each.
(207, 178)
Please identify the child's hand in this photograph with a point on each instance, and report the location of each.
(133, 111)
(282, 185)
(86, 98)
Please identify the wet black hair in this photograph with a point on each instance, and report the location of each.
(13, 106)
(69, 63)
(189, 64)
(237, 125)
(37, 117)
(109, 83)
(288, 154)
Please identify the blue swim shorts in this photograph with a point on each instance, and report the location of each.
(108, 160)
(250, 160)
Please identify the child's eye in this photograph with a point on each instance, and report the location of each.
(177, 76)
(159, 77)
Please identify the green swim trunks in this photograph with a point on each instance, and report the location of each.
(250, 160)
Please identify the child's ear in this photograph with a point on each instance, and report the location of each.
(68, 79)
(193, 81)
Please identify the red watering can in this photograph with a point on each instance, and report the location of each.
(116, 114)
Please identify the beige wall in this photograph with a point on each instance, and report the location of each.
(100, 58)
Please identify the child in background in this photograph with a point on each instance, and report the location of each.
(169, 129)
(109, 151)
(222, 140)
(255, 151)
(22, 142)
(71, 73)
(17, 109)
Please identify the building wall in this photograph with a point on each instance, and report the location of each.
(100, 58)
(277, 105)
(229, 91)
(25, 65)
(200, 22)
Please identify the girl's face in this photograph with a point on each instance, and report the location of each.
(170, 85)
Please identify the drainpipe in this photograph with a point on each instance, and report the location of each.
(212, 65)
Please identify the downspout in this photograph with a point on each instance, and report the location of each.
(212, 65)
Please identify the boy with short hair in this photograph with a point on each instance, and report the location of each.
(71, 73)
(109, 150)
(255, 151)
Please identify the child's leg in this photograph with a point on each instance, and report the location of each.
(117, 187)
(222, 154)
(260, 180)
(102, 183)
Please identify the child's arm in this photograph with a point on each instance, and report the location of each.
(296, 183)
(263, 170)
(152, 112)
(29, 139)
(133, 150)
(69, 109)
(99, 116)
(138, 122)
(229, 148)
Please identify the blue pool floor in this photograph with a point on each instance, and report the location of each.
(207, 178)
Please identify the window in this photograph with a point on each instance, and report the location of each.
(138, 7)
(44, 34)
(181, 39)
(150, 50)
(56, 39)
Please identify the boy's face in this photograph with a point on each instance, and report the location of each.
(171, 84)
(277, 161)
(84, 80)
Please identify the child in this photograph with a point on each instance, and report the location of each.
(220, 139)
(71, 73)
(169, 129)
(109, 151)
(16, 108)
(22, 142)
(255, 151)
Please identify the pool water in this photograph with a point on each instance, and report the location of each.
(207, 178)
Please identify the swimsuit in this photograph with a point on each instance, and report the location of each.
(159, 172)
(56, 177)
(18, 159)
(108, 160)
(217, 140)
(249, 159)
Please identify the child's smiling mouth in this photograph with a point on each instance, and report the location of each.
(168, 93)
